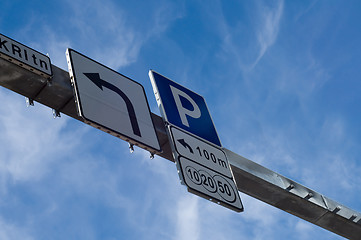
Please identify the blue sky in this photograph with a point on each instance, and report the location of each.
(281, 80)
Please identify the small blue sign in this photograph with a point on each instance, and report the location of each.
(184, 108)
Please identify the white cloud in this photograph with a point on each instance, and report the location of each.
(163, 202)
(42, 151)
(64, 165)
(104, 35)
(31, 139)
(104, 31)
(260, 213)
(10, 231)
(188, 225)
(55, 46)
(332, 130)
(303, 229)
(302, 79)
(110, 36)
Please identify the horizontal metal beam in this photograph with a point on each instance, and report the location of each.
(251, 178)
(287, 195)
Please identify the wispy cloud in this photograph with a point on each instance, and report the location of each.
(188, 225)
(55, 46)
(104, 34)
(56, 160)
(42, 151)
(305, 11)
(79, 180)
(244, 51)
(105, 31)
(268, 28)
(110, 35)
(26, 157)
(10, 231)
(32, 146)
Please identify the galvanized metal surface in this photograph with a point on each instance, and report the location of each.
(285, 194)
(252, 178)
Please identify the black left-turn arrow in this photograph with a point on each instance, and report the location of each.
(100, 83)
(185, 145)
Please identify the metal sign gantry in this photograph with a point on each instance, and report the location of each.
(251, 178)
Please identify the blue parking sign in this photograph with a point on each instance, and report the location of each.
(184, 108)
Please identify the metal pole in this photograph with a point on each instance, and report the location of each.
(251, 178)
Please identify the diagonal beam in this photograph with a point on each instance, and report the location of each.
(252, 178)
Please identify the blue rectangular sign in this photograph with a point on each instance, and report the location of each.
(184, 108)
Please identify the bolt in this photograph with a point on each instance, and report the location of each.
(131, 148)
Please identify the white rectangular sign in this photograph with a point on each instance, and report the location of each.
(200, 152)
(204, 169)
(112, 102)
(24, 56)
(219, 188)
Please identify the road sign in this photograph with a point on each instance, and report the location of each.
(205, 169)
(201, 152)
(112, 102)
(202, 165)
(25, 57)
(184, 108)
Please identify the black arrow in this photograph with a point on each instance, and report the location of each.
(186, 145)
(100, 83)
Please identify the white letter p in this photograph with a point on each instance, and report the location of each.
(196, 113)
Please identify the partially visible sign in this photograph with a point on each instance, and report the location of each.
(112, 102)
(204, 169)
(25, 57)
(200, 152)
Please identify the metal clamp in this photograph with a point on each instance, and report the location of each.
(29, 102)
(290, 187)
(56, 113)
(131, 148)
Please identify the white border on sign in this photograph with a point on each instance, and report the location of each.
(164, 114)
(122, 136)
